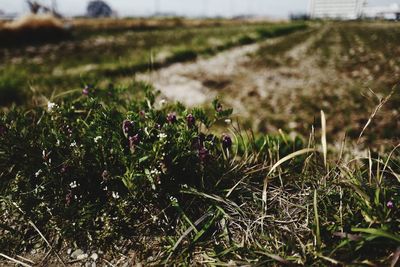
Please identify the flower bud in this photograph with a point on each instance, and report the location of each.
(86, 90)
(226, 141)
(190, 120)
(171, 117)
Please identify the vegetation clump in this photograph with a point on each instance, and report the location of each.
(107, 172)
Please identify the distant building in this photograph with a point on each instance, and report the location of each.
(391, 12)
(336, 9)
(99, 9)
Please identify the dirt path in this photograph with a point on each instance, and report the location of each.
(195, 83)
(232, 74)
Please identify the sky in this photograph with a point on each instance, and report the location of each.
(270, 8)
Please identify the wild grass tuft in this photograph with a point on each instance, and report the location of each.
(101, 171)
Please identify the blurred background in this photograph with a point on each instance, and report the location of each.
(277, 63)
(193, 8)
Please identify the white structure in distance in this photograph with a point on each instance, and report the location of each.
(391, 12)
(351, 10)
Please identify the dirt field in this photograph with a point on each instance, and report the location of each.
(286, 81)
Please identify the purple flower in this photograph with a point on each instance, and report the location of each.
(390, 204)
(134, 141)
(219, 108)
(86, 90)
(190, 120)
(226, 141)
(142, 114)
(171, 117)
(203, 154)
(127, 128)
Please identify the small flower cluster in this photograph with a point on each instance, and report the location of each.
(131, 133)
(171, 117)
(51, 106)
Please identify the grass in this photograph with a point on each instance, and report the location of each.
(13, 87)
(271, 54)
(123, 53)
(342, 72)
(113, 172)
(172, 188)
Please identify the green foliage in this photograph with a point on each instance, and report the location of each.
(13, 85)
(280, 30)
(68, 166)
(114, 164)
(100, 168)
(97, 54)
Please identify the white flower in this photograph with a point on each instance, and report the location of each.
(97, 138)
(73, 144)
(163, 102)
(51, 106)
(155, 172)
(228, 121)
(115, 195)
(38, 173)
(162, 136)
(73, 184)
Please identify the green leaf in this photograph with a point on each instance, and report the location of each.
(377, 232)
(142, 159)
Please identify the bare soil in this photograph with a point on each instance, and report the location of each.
(233, 75)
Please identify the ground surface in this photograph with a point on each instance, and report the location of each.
(251, 80)
(311, 208)
(115, 52)
(197, 83)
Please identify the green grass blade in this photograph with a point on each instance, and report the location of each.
(377, 232)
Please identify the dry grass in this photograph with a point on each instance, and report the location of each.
(34, 22)
(33, 29)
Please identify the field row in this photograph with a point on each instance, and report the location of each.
(60, 67)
